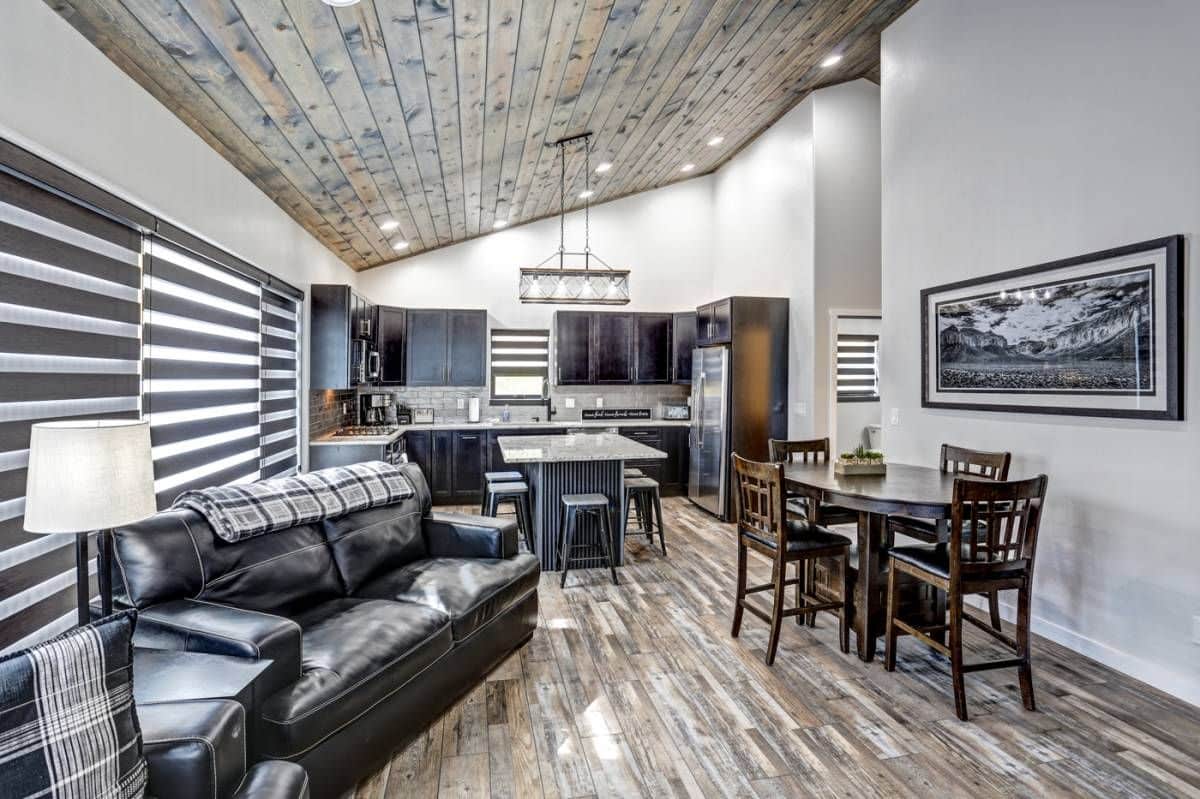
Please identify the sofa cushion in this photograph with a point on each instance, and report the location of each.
(472, 591)
(355, 653)
(367, 543)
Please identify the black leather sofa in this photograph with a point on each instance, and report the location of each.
(197, 750)
(375, 623)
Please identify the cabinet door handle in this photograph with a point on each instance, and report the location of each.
(468, 438)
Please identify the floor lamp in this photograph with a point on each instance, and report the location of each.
(89, 475)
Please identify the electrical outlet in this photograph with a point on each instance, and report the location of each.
(599, 402)
(462, 403)
(569, 402)
(895, 417)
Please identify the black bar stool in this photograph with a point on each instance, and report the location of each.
(643, 494)
(632, 471)
(497, 477)
(574, 506)
(516, 492)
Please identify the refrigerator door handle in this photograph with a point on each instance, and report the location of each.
(700, 415)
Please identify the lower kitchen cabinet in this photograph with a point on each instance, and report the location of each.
(671, 472)
(452, 462)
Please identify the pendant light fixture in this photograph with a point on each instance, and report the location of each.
(563, 285)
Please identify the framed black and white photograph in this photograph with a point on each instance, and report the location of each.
(1094, 335)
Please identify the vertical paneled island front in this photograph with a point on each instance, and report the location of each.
(579, 463)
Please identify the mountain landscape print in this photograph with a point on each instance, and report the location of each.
(1084, 335)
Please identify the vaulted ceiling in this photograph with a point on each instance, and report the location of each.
(436, 114)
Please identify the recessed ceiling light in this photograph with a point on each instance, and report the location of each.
(339, 3)
(687, 167)
(583, 195)
(400, 245)
(389, 225)
(831, 60)
(499, 223)
(604, 167)
(715, 140)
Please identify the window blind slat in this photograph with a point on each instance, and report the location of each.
(857, 367)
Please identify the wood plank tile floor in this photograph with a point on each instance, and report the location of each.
(638, 690)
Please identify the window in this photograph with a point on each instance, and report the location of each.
(520, 365)
(69, 328)
(857, 367)
(220, 374)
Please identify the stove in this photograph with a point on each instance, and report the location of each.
(366, 430)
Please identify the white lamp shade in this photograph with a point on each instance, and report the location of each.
(88, 475)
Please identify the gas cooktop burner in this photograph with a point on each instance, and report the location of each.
(366, 430)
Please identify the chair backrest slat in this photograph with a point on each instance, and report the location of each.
(760, 498)
(994, 523)
(811, 451)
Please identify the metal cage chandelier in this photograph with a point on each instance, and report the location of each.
(563, 285)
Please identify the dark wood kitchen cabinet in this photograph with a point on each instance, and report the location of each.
(469, 448)
(652, 347)
(391, 331)
(446, 347)
(441, 484)
(572, 348)
(714, 322)
(683, 341)
(612, 348)
(338, 355)
(418, 444)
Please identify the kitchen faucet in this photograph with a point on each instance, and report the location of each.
(546, 400)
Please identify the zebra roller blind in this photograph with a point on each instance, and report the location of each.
(220, 374)
(70, 336)
(857, 367)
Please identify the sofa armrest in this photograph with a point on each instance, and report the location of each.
(195, 749)
(274, 779)
(457, 535)
(193, 625)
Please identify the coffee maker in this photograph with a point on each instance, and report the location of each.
(373, 408)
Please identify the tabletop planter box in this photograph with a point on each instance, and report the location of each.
(860, 462)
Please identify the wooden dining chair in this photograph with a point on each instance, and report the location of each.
(969, 563)
(812, 451)
(958, 460)
(764, 525)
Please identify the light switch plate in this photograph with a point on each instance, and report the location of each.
(599, 402)
(894, 419)
(569, 402)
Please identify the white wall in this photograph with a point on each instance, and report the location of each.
(1021, 132)
(661, 235)
(797, 215)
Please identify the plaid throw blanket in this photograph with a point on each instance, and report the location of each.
(238, 512)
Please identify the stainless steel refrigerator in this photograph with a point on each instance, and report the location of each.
(739, 393)
(707, 457)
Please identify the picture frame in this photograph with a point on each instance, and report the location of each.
(1099, 334)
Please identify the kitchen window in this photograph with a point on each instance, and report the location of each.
(857, 367)
(520, 366)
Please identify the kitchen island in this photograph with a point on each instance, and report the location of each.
(578, 463)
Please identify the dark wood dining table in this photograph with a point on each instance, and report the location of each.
(906, 490)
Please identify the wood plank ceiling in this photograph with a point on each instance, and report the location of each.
(434, 115)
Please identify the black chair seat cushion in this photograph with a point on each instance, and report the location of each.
(804, 536)
(935, 559)
(355, 653)
(830, 513)
(471, 591)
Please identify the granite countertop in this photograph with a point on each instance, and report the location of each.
(328, 439)
(574, 447)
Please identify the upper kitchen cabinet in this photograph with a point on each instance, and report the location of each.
(446, 347)
(652, 336)
(714, 322)
(683, 341)
(612, 348)
(572, 348)
(467, 348)
(340, 354)
(391, 332)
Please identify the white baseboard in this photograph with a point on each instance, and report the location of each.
(1173, 683)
